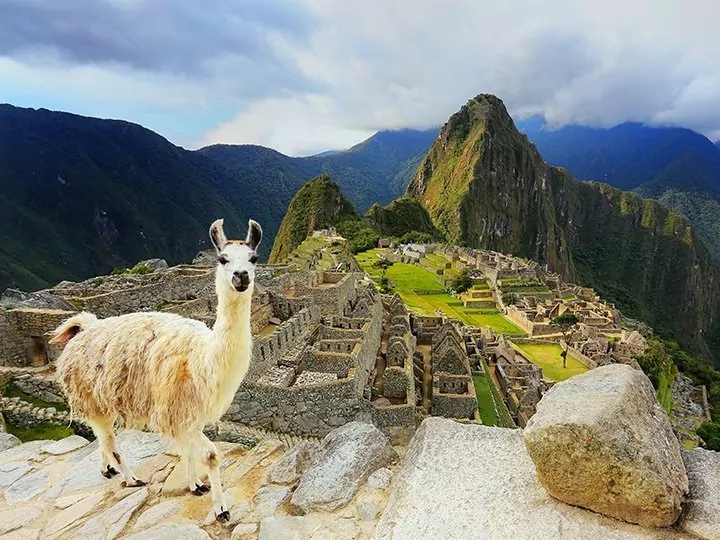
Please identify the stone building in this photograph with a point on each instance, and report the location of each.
(453, 394)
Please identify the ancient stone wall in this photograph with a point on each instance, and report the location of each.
(454, 405)
(24, 332)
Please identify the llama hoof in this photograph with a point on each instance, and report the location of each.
(223, 517)
(200, 489)
(134, 483)
(109, 472)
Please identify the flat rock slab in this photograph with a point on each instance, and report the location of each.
(601, 441)
(171, 531)
(111, 523)
(13, 519)
(11, 472)
(701, 515)
(344, 459)
(134, 446)
(308, 528)
(468, 482)
(66, 445)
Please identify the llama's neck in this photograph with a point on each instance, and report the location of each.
(231, 333)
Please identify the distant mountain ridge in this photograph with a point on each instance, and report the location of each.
(677, 166)
(80, 196)
(485, 185)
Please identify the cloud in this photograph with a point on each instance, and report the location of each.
(306, 75)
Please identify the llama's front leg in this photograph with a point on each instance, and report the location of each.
(111, 460)
(211, 459)
(188, 456)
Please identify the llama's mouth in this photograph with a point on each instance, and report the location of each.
(241, 288)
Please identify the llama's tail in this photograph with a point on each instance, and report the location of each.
(72, 327)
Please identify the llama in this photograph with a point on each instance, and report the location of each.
(164, 372)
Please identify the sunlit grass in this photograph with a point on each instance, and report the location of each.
(547, 356)
(486, 406)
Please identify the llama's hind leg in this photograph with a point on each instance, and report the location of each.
(209, 456)
(111, 461)
(188, 457)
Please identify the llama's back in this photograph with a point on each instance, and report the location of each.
(118, 367)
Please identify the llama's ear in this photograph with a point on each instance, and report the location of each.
(217, 235)
(254, 234)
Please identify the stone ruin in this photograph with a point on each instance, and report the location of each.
(453, 393)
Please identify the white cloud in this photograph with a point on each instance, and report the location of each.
(324, 74)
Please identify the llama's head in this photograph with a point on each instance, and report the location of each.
(236, 258)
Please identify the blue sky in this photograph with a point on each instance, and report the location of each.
(303, 76)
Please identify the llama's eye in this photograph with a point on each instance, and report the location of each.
(253, 259)
(223, 259)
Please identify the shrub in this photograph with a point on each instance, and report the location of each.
(710, 433)
(463, 282)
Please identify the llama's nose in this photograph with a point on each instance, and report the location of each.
(243, 276)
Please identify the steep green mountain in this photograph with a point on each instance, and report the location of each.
(485, 185)
(400, 217)
(80, 196)
(318, 205)
(676, 166)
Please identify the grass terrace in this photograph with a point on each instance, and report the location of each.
(486, 406)
(422, 293)
(547, 356)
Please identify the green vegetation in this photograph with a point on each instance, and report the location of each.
(138, 269)
(548, 357)
(39, 432)
(462, 283)
(504, 418)
(710, 433)
(661, 370)
(404, 217)
(420, 290)
(486, 406)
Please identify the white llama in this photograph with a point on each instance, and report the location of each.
(164, 372)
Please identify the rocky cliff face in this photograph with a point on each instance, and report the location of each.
(485, 185)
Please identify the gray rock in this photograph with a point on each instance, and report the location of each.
(453, 485)
(171, 531)
(701, 515)
(111, 523)
(601, 441)
(15, 518)
(307, 528)
(267, 499)
(156, 514)
(292, 465)
(7, 440)
(27, 487)
(344, 459)
(380, 479)
(13, 471)
(66, 445)
(155, 264)
(26, 451)
(36, 300)
(71, 516)
(243, 530)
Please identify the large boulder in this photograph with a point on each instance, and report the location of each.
(701, 514)
(344, 459)
(601, 441)
(465, 481)
(17, 299)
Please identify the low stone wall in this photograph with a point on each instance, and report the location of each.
(40, 387)
(394, 415)
(455, 405)
(23, 414)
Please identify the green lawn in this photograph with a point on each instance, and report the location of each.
(547, 356)
(40, 432)
(407, 278)
(488, 414)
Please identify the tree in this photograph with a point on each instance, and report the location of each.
(566, 323)
(463, 282)
(383, 264)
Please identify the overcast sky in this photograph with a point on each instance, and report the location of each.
(304, 76)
